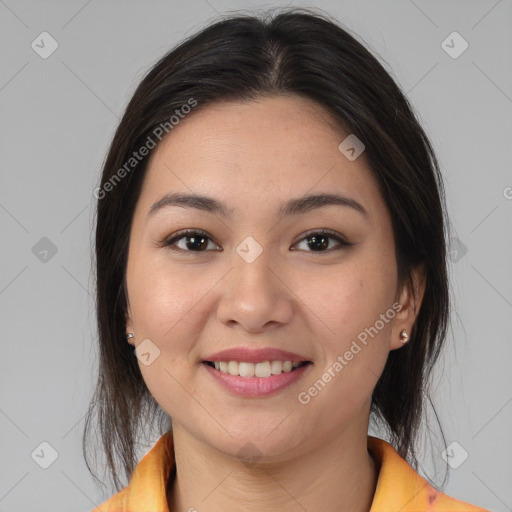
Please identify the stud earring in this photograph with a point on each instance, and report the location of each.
(128, 337)
(404, 337)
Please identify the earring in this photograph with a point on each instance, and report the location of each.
(404, 337)
(128, 337)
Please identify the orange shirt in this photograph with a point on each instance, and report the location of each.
(399, 487)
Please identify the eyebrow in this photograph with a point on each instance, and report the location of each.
(296, 206)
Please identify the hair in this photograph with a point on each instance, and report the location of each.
(244, 57)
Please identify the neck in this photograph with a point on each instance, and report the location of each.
(339, 474)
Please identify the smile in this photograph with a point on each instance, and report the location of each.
(263, 370)
(253, 380)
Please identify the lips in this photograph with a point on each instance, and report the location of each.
(257, 387)
(254, 355)
(255, 372)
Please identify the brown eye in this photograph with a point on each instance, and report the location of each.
(194, 241)
(318, 241)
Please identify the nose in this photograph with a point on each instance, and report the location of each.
(255, 296)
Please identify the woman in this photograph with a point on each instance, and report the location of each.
(271, 275)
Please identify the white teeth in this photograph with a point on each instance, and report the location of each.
(233, 368)
(276, 367)
(246, 369)
(264, 369)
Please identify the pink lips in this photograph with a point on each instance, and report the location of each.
(254, 355)
(256, 386)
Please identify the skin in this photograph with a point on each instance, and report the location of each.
(253, 156)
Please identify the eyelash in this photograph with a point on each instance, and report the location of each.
(170, 241)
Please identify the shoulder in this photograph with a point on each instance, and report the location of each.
(400, 487)
(440, 502)
(147, 484)
(117, 503)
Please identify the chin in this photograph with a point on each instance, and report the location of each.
(257, 444)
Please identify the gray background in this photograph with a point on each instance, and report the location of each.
(57, 118)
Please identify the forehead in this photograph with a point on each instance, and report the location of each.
(251, 125)
(271, 149)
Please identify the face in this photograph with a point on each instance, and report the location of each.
(255, 279)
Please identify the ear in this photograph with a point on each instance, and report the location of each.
(410, 298)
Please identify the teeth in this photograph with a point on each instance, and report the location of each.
(233, 368)
(264, 369)
(261, 369)
(245, 369)
(276, 367)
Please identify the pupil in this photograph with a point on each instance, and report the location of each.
(193, 244)
(322, 240)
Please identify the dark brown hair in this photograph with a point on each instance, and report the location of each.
(242, 57)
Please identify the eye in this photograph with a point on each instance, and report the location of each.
(197, 241)
(319, 240)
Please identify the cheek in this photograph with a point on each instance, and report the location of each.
(352, 334)
(348, 298)
(163, 297)
(354, 341)
(168, 309)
